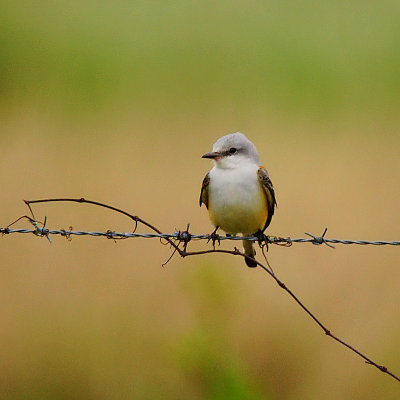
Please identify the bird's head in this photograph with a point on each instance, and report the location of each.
(233, 151)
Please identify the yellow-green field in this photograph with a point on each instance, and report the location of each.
(117, 103)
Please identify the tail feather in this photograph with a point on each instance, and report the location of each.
(250, 252)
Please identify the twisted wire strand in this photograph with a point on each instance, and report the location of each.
(180, 235)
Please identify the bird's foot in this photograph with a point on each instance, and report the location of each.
(214, 237)
(262, 238)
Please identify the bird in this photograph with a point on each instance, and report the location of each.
(238, 191)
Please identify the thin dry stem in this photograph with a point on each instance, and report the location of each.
(184, 253)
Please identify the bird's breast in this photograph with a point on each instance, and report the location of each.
(237, 203)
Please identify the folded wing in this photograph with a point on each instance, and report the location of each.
(268, 188)
(204, 190)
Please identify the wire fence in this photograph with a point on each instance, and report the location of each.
(177, 238)
(185, 235)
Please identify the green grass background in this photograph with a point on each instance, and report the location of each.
(301, 56)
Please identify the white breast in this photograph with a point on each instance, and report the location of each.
(237, 202)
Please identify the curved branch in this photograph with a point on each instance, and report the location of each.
(185, 237)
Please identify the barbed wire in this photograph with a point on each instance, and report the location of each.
(316, 240)
(179, 243)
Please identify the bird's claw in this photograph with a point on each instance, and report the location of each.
(262, 239)
(214, 237)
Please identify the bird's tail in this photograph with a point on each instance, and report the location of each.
(250, 252)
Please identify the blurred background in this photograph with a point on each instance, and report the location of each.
(116, 102)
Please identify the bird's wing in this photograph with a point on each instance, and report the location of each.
(204, 190)
(268, 188)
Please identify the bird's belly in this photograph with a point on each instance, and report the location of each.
(238, 207)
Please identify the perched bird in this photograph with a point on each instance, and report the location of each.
(238, 192)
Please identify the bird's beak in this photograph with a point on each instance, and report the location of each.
(213, 155)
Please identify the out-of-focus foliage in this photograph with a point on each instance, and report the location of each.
(204, 354)
(315, 57)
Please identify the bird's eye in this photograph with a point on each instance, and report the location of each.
(232, 150)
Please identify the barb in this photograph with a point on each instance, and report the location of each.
(320, 239)
(177, 238)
